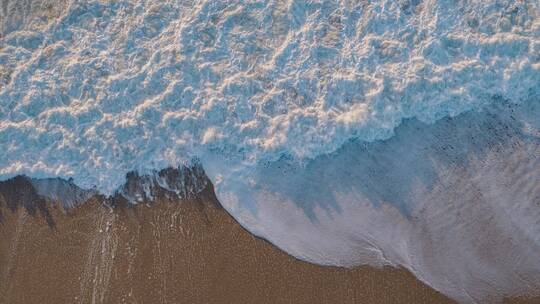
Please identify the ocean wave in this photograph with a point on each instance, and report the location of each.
(346, 133)
(456, 202)
(95, 89)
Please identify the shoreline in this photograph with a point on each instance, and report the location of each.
(188, 251)
(174, 250)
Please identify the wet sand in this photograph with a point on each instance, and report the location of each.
(172, 252)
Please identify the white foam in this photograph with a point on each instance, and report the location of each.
(94, 89)
(61, 191)
(278, 99)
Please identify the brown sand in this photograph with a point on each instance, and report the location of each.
(187, 252)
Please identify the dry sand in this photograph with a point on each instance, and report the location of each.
(173, 252)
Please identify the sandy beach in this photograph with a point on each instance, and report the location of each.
(188, 251)
(269, 151)
(172, 252)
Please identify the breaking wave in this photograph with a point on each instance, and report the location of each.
(345, 132)
(95, 89)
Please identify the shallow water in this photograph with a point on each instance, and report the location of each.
(402, 133)
(456, 202)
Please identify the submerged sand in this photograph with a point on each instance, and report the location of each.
(187, 251)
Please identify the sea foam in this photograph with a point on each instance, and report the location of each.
(345, 132)
(94, 89)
